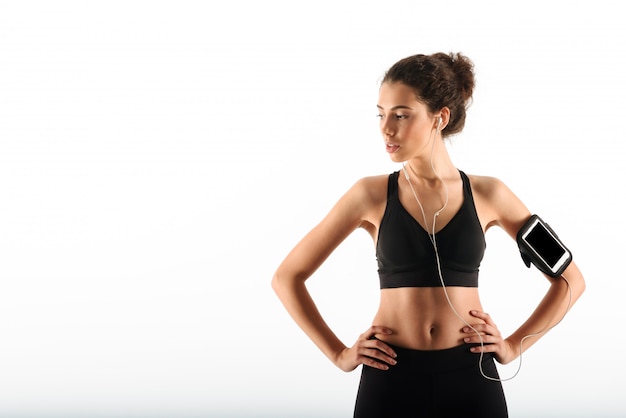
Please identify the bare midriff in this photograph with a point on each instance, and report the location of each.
(421, 317)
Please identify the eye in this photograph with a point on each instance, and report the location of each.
(401, 116)
(379, 116)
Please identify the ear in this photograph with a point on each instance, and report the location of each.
(444, 114)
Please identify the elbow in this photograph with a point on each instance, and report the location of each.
(576, 281)
(283, 284)
(582, 286)
(279, 283)
(580, 282)
(275, 283)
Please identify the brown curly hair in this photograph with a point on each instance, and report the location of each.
(439, 80)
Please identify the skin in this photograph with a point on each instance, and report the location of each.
(416, 317)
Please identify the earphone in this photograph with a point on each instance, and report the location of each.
(440, 122)
(434, 243)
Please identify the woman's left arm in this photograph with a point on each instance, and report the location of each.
(503, 208)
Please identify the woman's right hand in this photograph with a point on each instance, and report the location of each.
(367, 350)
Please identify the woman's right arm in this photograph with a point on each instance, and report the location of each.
(350, 212)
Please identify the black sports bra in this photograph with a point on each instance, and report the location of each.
(405, 253)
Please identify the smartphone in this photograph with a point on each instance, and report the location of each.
(543, 247)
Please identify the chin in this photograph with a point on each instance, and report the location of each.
(396, 158)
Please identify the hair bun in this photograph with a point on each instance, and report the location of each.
(463, 67)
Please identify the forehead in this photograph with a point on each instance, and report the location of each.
(397, 94)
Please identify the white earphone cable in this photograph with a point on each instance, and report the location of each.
(433, 239)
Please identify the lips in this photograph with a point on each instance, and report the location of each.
(391, 148)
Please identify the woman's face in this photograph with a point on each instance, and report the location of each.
(405, 123)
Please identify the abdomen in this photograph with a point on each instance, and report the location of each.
(422, 319)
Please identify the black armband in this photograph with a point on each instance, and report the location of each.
(539, 245)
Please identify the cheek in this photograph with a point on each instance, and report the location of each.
(412, 131)
(417, 129)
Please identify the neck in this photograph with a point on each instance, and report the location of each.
(431, 166)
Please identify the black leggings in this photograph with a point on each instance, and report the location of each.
(441, 383)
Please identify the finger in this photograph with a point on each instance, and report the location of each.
(378, 355)
(482, 315)
(484, 348)
(481, 329)
(371, 362)
(382, 347)
(483, 339)
(375, 345)
(379, 329)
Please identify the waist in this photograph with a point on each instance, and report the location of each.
(429, 361)
(422, 318)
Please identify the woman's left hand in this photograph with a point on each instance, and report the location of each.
(491, 338)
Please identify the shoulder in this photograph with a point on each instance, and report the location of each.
(371, 188)
(365, 202)
(498, 203)
(488, 187)
(363, 194)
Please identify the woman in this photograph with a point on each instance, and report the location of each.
(431, 348)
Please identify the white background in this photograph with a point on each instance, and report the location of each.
(159, 159)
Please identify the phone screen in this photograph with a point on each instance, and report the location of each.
(545, 245)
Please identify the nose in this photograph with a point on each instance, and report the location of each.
(386, 128)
